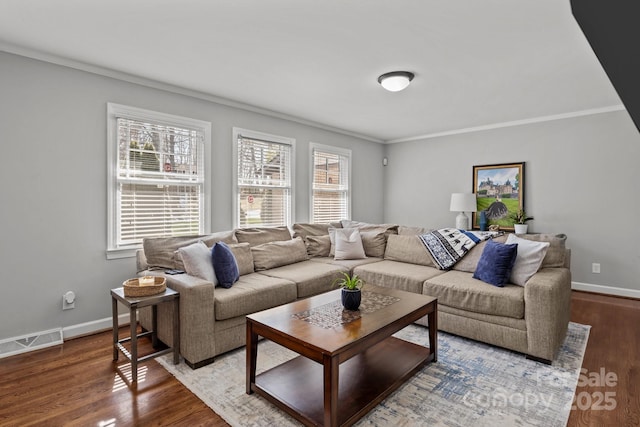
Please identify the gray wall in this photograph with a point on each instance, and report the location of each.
(580, 179)
(54, 183)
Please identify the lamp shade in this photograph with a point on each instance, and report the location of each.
(463, 202)
(395, 81)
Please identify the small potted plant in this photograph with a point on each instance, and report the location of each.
(520, 219)
(351, 290)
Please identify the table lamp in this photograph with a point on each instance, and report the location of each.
(463, 202)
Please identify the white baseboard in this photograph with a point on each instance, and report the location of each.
(607, 290)
(99, 325)
(93, 326)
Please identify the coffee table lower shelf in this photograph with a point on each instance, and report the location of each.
(297, 386)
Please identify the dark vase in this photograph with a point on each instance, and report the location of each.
(483, 221)
(351, 298)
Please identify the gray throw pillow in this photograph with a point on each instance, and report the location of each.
(348, 244)
(528, 260)
(197, 261)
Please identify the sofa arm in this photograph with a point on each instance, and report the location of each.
(547, 302)
(141, 261)
(197, 317)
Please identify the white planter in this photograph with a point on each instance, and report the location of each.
(521, 228)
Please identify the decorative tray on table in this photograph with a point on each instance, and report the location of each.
(144, 286)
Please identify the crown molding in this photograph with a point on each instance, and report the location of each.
(156, 84)
(541, 119)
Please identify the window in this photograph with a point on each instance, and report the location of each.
(263, 179)
(157, 177)
(330, 184)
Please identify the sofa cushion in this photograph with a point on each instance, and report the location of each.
(244, 257)
(224, 264)
(252, 292)
(460, 290)
(260, 235)
(305, 230)
(469, 262)
(160, 252)
(347, 243)
(408, 248)
(197, 261)
(311, 278)
(396, 275)
(557, 248)
(404, 230)
(391, 228)
(374, 236)
(528, 260)
(278, 253)
(348, 264)
(318, 246)
(374, 242)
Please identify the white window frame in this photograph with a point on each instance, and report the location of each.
(237, 133)
(115, 111)
(333, 150)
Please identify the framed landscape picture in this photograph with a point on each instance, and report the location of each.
(499, 191)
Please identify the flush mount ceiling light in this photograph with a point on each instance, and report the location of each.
(395, 81)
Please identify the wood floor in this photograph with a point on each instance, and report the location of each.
(613, 347)
(75, 384)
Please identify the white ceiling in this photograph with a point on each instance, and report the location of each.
(477, 63)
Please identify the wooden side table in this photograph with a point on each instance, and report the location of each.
(133, 304)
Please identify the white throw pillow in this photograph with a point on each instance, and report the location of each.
(348, 244)
(528, 260)
(197, 261)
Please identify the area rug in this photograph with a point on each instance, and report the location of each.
(472, 384)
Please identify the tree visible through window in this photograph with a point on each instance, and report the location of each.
(158, 176)
(264, 176)
(330, 183)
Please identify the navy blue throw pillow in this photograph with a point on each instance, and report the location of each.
(224, 264)
(496, 263)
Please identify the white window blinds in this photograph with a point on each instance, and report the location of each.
(263, 182)
(159, 180)
(330, 184)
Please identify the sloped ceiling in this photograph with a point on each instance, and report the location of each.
(611, 27)
(477, 63)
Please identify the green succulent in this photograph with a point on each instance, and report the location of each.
(349, 282)
(520, 217)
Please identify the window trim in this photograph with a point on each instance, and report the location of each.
(115, 111)
(235, 214)
(333, 150)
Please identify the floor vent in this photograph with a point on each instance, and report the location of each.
(25, 343)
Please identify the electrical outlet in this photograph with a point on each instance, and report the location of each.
(595, 268)
(69, 300)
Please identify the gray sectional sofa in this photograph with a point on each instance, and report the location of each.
(278, 266)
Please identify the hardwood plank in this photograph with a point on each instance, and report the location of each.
(613, 347)
(76, 384)
(89, 390)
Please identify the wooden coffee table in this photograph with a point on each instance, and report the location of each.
(348, 362)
